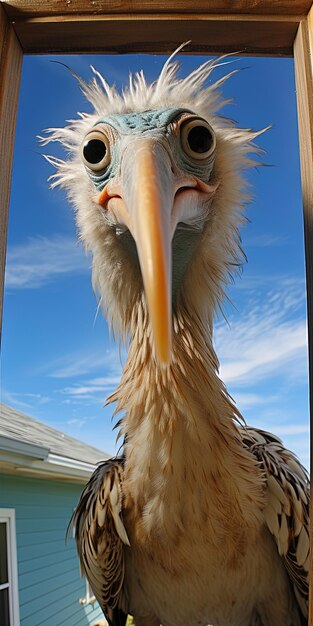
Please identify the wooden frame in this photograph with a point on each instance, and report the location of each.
(7, 516)
(265, 27)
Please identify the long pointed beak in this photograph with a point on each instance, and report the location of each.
(147, 194)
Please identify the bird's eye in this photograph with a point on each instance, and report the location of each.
(95, 151)
(197, 139)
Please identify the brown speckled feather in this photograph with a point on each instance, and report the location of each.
(101, 536)
(287, 509)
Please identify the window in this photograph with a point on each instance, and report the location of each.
(9, 609)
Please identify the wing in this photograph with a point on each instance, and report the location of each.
(101, 536)
(287, 508)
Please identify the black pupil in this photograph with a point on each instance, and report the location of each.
(200, 139)
(94, 151)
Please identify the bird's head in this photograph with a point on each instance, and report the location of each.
(152, 173)
(155, 177)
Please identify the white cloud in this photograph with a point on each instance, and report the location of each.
(77, 422)
(270, 338)
(96, 386)
(246, 400)
(78, 366)
(263, 355)
(106, 382)
(264, 240)
(24, 401)
(32, 264)
(14, 399)
(258, 356)
(256, 282)
(283, 430)
(82, 363)
(75, 365)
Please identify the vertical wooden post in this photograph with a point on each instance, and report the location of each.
(303, 54)
(10, 70)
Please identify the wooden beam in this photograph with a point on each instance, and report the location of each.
(37, 8)
(10, 69)
(157, 33)
(303, 53)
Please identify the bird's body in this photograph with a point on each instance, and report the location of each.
(197, 508)
(193, 581)
(203, 520)
(204, 564)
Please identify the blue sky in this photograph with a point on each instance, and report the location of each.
(58, 360)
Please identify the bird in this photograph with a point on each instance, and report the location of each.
(199, 519)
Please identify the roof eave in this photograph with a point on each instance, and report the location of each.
(17, 446)
(52, 466)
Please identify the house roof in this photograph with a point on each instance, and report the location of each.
(43, 447)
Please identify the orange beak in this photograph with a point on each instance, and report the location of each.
(142, 198)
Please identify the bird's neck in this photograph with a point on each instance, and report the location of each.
(181, 437)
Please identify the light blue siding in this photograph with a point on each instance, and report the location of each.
(50, 585)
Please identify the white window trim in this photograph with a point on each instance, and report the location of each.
(8, 516)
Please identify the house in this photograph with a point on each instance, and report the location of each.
(42, 473)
